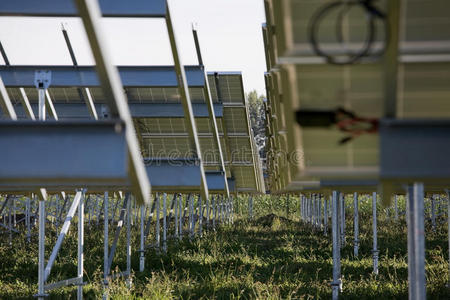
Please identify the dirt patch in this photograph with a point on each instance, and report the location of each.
(270, 219)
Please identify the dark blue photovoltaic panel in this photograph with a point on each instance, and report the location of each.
(109, 8)
(86, 76)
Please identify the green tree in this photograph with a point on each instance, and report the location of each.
(257, 119)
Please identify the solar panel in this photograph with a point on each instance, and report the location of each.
(230, 85)
(235, 120)
(245, 165)
(161, 134)
(298, 79)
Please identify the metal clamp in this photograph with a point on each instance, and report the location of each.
(42, 79)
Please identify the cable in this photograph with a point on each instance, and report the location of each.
(345, 121)
(373, 14)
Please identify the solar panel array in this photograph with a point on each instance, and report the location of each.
(165, 135)
(298, 79)
(245, 164)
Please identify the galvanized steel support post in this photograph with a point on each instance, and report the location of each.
(313, 210)
(250, 207)
(319, 208)
(175, 199)
(336, 283)
(141, 245)
(128, 251)
(214, 212)
(80, 247)
(105, 246)
(164, 245)
(27, 217)
(374, 228)
(325, 216)
(433, 212)
(448, 232)
(342, 218)
(416, 242)
(207, 213)
(157, 228)
(41, 259)
(181, 218)
(396, 207)
(200, 217)
(191, 217)
(355, 225)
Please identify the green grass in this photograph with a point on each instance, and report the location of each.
(270, 257)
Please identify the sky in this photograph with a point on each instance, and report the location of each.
(229, 33)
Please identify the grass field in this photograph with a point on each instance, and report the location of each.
(270, 257)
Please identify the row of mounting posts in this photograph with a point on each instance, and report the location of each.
(222, 206)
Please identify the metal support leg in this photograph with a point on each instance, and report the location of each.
(419, 240)
(10, 205)
(214, 212)
(164, 222)
(142, 246)
(355, 225)
(200, 217)
(27, 220)
(80, 247)
(208, 212)
(433, 212)
(374, 227)
(396, 207)
(250, 207)
(287, 206)
(310, 214)
(416, 242)
(14, 213)
(117, 233)
(313, 210)
(181, 220)
(305, 209)
(61, 236)
(129, 220)
(222, 209)
(175, 199)
(319, 211)
(227, 209)
(41, 264)
(410, 205)
(308, 209)
(301, 207)
(336, 284)
(105, 247)
(232, 209)
(342, 218)
(448, 232)
(157, 235)
(325, 216)
(191, 217)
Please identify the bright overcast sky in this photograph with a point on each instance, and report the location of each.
(229, 33)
